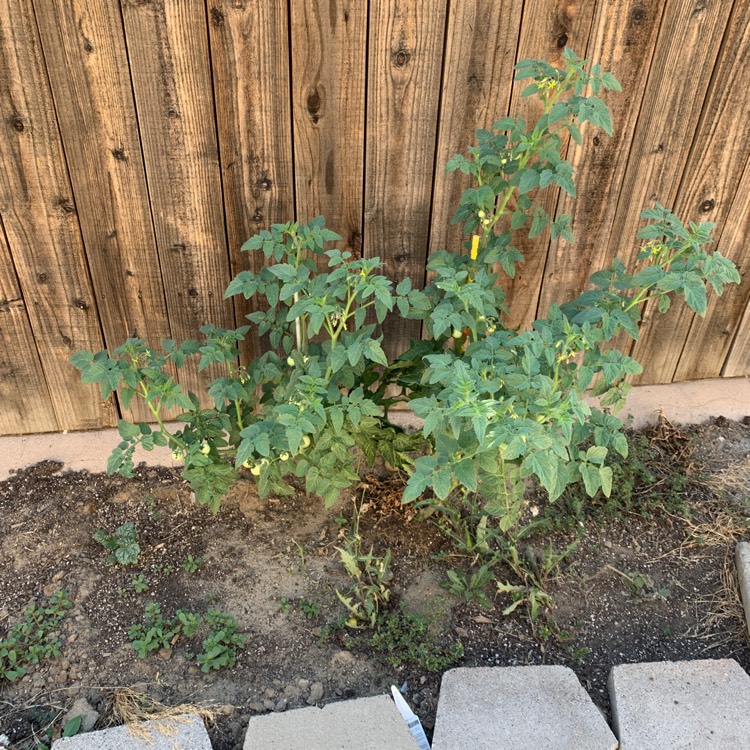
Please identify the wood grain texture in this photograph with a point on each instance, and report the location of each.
(328, 45)
(25, 404)
(714, 169)
(719, 344)
(41, 222)
(547, 28)
(404, 68)
(480, 53)
(167, 42)
(687, 48)
(250, 63)
(84, 49)
(623, 40)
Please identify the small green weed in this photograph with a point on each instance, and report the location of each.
(470, 587)
(191, 564)
(155, 633)
(163, 569)
(285, 605)
(223, 641)
(369, 576)
(34, 637)
(219, 647)
(642, 585)
(310, 607)
(139, 583)
(405, 638)
(122, 545)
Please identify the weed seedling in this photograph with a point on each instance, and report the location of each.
(285, 605)
(223, 641)
(191, 564)
(122, 545)
(310, 607)
(34, 638)
(470, 587)
(139, 583)
(369, 575)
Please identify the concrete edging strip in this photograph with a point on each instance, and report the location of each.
(523, 708)
(184, 732)
(690, 705)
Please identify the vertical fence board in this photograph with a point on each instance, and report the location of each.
(707, 352)
(250, 62)
(84, 49)
(26, 405)
(480, 53)
(167, 41)
(404, 68)
(623, 41)
(41, 222)
(329, 43)
(547, 28)
(721, 147)
(687, 48)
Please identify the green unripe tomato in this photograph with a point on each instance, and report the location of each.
(290, 361)
(247, 464)
(284, 456)
(457, 334)
(177, 455)
(205, 448)
(481, 214)
(255, 470)
(306, 442)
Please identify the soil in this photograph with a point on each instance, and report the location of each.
(650, 579)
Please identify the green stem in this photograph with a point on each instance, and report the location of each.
(155, 410)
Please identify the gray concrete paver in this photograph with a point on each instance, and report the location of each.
(179, 733)
(361, 724)
(691, 705)
(518, 708)
(743, 574)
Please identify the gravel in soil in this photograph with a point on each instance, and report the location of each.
(648, 580)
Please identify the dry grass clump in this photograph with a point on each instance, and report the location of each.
(724, 620)
(131, 707)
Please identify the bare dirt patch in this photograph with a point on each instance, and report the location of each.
(647, 581)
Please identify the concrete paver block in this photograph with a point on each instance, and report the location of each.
(690, 705)
(179, 733)
(518, 708)
(362, 724)
(743, 573)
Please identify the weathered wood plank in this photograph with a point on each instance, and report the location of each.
(480, 53)
(329, 43)
(721, 147)
(546, 29)
(250, 63)
(623, 40)
(404, 67)
(41, 222)
(25, 405)
(85, 54)
(719, 344)
(687, 48)
(168, 49)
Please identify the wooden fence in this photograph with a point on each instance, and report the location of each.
(144, 140)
